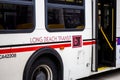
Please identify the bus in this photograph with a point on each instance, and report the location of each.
(58, 39)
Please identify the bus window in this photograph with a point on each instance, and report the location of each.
(65, 17)
(73, 18)
(16, 15)
(72, 2)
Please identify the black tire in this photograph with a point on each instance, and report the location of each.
(43, 69)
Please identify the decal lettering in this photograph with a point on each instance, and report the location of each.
(4, 56)
(64, 38)
(36, 39)
(49, 39)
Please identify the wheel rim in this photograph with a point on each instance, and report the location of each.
(42, 72)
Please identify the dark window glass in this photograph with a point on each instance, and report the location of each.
(74, 2)
(16, 16)
(62, 17)
(65, 18)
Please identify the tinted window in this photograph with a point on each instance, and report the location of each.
(74, 2)
(65, 16)
(16, 15)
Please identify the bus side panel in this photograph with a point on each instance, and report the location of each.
(118, 35)
(12, 66)
(77, 61)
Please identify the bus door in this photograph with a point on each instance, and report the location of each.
(106, 33)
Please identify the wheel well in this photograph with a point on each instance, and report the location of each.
(55, 61)
(47, 53)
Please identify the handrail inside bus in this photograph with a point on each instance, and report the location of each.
(112, 24)
(106, 38)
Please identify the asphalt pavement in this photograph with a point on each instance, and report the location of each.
(110, 75)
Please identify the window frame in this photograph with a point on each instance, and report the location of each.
(66, 2)
(59, 5)
(28, 3)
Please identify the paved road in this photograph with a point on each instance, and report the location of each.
(111, 75)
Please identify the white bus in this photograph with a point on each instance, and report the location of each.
(58, 39)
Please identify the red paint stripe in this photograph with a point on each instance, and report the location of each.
(89, 43)
(60, 46)
(3, 51)
(25, 49)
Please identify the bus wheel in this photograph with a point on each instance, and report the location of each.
(43, 69)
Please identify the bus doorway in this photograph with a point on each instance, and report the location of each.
(106, 33)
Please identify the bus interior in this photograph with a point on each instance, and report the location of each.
(106, 33)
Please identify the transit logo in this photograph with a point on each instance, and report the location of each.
(77, 41)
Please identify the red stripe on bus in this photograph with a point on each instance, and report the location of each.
(89, 43)
(25, 49)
